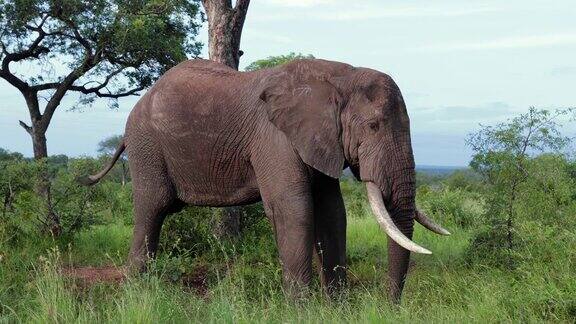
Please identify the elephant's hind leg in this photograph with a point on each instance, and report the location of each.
(151, 206)
(154, 198)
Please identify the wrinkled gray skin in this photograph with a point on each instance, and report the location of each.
(208, 135)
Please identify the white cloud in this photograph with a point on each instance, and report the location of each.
(299, 3)
(375, 12)
(338, 10)
(266, 36)
(507, 43)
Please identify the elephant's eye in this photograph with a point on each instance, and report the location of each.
(374, 126)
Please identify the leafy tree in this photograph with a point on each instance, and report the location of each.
(96, 49)
(272, 61)
(6, 155)
(108, 146)
(504, 156)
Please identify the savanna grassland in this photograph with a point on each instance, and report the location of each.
(473, 275)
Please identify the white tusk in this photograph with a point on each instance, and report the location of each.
(430, 224)
(386, 223)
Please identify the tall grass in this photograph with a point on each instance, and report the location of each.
(198, 278)
(244, 287)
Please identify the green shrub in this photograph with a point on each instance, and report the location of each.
(355, 198)
(192, 229)
(16, 176)
(452, 205)
(118, 199)
(542, 209)
(77, 207)
(465, 179)
(189, 230)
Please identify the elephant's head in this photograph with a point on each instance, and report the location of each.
(357, 117)
(378, 149)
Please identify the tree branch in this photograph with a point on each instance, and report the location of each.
(27, 128)
(34, 50)
(13, 80)
(93, 90)
(240, 11)
(64, 86)
(83, 41)
(96, 91)
(54, 85)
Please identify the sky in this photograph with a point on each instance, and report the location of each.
(459, 64)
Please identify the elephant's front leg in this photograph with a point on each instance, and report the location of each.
(330, 232)
(290, 211)
(285, 188)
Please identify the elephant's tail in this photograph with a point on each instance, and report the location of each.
(92, 179)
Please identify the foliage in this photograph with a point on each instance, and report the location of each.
(240, 281)
(191, 230)
(465, 179)
(354, 198)
(113, 43)
(14, 178)
(505, 157)
(272, 61)
(456, 206)
(78, 207)
(6, 155)
(429, 179)
(109, 145)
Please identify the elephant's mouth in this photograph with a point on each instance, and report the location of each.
(387, 224)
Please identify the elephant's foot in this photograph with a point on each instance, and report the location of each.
(297, 290)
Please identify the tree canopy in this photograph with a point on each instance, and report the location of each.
(99, 49)
(108, 145)
(272, 61)
(114, 39)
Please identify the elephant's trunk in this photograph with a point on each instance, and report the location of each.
(398, 261)
(399, 228)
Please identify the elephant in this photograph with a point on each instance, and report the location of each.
(207, 135)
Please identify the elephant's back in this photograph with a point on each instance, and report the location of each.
(193, 93)
(202, 117)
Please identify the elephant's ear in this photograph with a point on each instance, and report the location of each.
(308, 112)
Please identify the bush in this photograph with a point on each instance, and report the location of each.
(355, 198)
(15, 177)
(455, 206)
(191, 230)
(543, 208)
(77, 207)
(465, 179)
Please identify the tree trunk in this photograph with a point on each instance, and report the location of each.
(51, 221)
(225, 30)
(224, 33)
